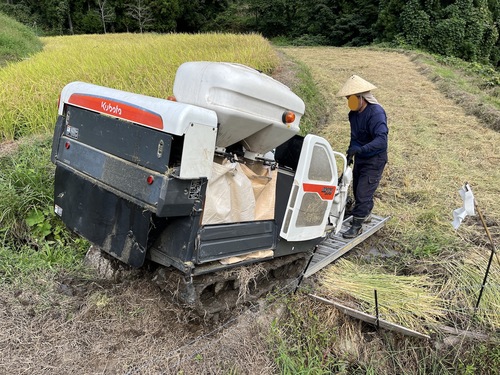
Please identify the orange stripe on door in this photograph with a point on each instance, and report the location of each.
(326, 192)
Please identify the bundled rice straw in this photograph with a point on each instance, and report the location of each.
(463, 284)
(405, 300)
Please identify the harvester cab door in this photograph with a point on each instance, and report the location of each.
(312, 193)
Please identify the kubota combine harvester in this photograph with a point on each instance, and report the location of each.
(203, 185)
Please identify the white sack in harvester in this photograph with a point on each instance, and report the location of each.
(237, 193)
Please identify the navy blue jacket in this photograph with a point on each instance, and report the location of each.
(369, 130)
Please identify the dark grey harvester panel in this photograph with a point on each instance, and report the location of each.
(225, 240)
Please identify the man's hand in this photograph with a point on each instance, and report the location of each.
(353, 150)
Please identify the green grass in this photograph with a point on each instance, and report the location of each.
(478, 74)
(307, 89)
(302, 344)
(23, 264)
(16, 40)
(474, 86)
(26, 179)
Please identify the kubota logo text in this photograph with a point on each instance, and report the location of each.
(117, 108)
(109, 108)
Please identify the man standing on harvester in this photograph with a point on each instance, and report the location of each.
(368, 148)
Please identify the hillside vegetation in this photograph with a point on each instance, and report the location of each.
(16, 40)
(59, 317)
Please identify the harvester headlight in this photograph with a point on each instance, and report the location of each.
(288, 117)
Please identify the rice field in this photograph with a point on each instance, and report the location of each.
(434, 148)
(140, 63)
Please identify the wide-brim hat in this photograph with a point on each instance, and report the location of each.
(355, 85)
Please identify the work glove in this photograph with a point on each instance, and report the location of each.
(353, 150)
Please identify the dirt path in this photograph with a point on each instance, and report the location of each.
(93, 326)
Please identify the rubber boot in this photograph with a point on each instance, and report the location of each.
(355, 229)
(367, 219)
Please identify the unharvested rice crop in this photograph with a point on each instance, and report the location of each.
(140, 63)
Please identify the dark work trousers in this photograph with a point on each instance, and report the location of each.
(366, 177)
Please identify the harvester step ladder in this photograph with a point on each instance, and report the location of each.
(334, 245)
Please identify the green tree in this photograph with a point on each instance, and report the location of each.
(165, 13)
(106, 13)
(388, 24)
(141, 12)
(52, 14)
(466, 29)
(481, 33)
(274, 18)
(415, 24)
(448, 33)
(194, 15)
(235, 18)
(494, 6)
(316, 18)
(20, 12)
(356, 23)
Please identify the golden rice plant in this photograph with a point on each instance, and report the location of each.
(140, 63)
(404, 300)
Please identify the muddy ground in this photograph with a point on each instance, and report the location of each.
(127, 326)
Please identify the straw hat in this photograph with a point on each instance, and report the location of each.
(355, 85)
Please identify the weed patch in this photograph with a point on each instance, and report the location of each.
(302, 344)
(31, 236)
(26, 180)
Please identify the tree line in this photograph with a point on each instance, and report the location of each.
(468, 29)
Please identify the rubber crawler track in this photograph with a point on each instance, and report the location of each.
(211, 294)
